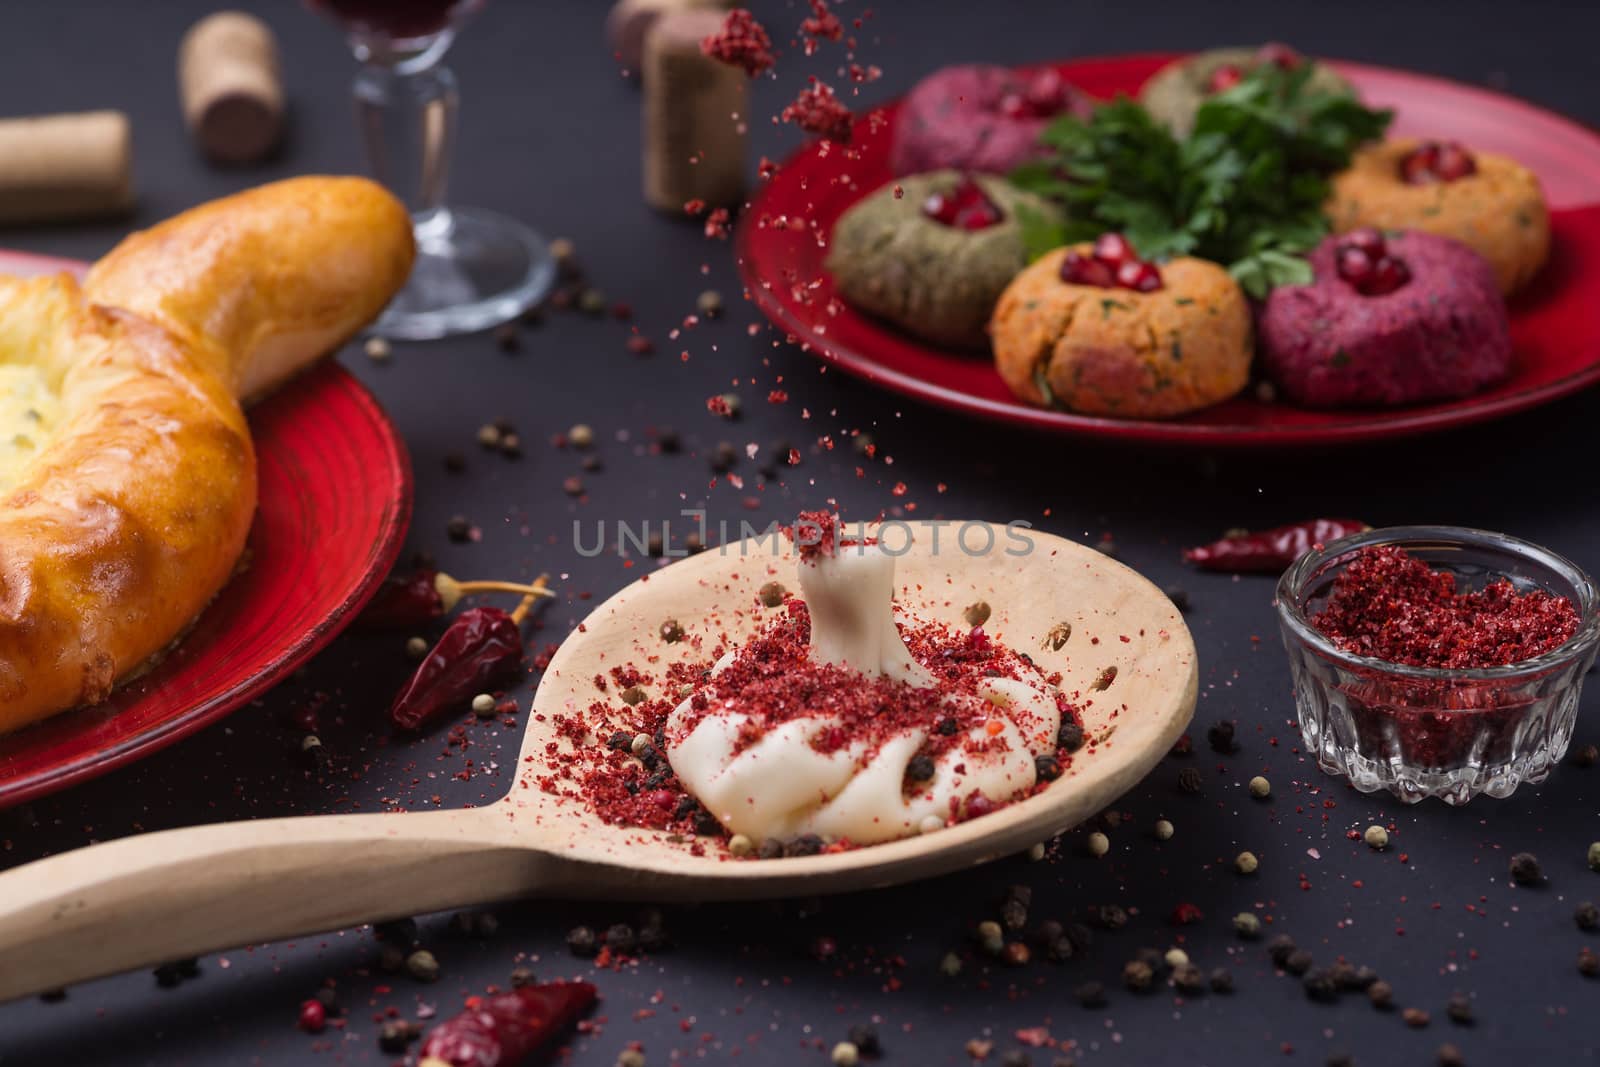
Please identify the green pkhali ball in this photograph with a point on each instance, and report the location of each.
(939, 282)
(1175, 92)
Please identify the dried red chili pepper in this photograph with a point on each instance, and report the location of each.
(499, 1031)
(1270, 551)
(480, 648)
(410, 600)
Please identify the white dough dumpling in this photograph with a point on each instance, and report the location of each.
(849, 719)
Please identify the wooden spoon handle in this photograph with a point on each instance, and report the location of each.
(157, 897)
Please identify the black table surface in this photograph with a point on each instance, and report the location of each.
(549, 133)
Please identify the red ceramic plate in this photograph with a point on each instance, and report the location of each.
(335, 501)
(1554, 327)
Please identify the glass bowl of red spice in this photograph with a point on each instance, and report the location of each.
(1437, 660)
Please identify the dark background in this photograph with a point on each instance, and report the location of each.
(549, 133)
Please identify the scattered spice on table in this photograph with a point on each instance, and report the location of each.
(1269, 551)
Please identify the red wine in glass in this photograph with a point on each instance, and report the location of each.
(474, 269)
(397, 19)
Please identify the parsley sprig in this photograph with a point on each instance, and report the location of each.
(1244, 189)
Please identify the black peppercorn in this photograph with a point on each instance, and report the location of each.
(1091, 995)
(1137, 976)
(1059, 949)
(1219, 735)
(1588, 962)
(1450, 1056)
(401, 933)
(1190, 781)
(864, 1036)
(1048, 768)
(1222, 980)
(1279, 949)
(620, 938)
(1182, 746)
(1587, 916)
(668, 441)
(1381, 994)
(1298, 962)
(769, 849)
(1341, 1059)
(1525, 869)
(455, 462)
(520, 977)
(1070, 736)
(506, 337)
(1152, 958)
(947, 727)
(804, 845)
(919, 769)
(1188, 979)
(1321, 984)
(458, 529)
(1459, 1008)
(1585, 755)
(1416, 1018)
(1080, 936)
(1110, 917)
(581, 941)
(329, 1001)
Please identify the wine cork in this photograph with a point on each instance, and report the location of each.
(630, 20)
(694, 116)
(55, 167)
(229, 86)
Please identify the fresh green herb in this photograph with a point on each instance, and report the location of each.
(1245, 189)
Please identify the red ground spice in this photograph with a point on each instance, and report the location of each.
(816, 110)
(1389, 605)
(1392, 606)
(742, 42)
(822, 23)
(815, 534)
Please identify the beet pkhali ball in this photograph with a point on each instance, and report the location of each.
(933, 260)
(1175, 92)
(978, 117)
(1429, 326)
(1492, 204)
(1107, 349)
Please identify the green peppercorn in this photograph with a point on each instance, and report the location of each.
(1246, 863)
(977, 613)
(1164, 830)
(1376, 837)
(950, 965)
(422, 966)
(1594, 856)
(1260, 788)
(1247, 925)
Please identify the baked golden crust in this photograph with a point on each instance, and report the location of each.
(130, 511)
(1498, 212)
(1123, 353)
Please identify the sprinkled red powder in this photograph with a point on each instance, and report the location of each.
(814, 534)
(816, 110)
(1392, 606)
(822, 23)
(742, 42)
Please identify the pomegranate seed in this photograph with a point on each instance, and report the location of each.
(978, 805)
(1367, 239)
(966, 206)
(313, 1017)
(1013, 106)
(1355, 265)
(1139, 276)
(1437, 161)
(1113, 250)
(1047, 93)
(1079, 269)
(1224, 78)
(1279, 55)
(1388, 274)
(940, 208)
(1453, 162)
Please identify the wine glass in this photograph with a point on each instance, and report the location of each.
(474, 269)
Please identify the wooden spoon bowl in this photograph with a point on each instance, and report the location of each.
(183, 892)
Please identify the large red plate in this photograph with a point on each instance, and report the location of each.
(335, 502)
(1554, 325)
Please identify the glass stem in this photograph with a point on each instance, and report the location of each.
(408, 123)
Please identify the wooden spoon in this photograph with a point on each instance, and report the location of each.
(155, 897)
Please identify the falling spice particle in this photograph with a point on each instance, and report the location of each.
(817, 110)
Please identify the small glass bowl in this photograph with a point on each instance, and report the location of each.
(1422, 731)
